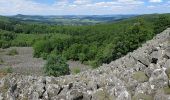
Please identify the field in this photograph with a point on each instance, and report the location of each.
(24, 63)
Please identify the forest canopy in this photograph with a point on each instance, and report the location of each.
(92, 44)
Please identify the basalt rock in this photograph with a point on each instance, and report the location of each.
(141, 74)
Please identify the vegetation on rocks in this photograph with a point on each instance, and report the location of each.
(142, 96)
(1, 61)
(12, 52)
(166, 90)
(140, 76)
(76, 70)
(6, 70)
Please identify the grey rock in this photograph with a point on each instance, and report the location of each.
(167, 52)
(158, 79)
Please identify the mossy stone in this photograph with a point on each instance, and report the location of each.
(142, 96)
(140, 76)
(166, 90)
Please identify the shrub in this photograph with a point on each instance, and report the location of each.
(140, 76)
(6, 70)
(56, 66)
(12, 52)
(76, 70)
(1, 61)
(41, 47)
(166, 90)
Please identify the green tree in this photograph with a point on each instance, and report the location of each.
(56, 66)
(161, 24)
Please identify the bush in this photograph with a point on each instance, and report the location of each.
(56, 66)
(166, 90)
(12, 52)
(4, 44)
(1, 61)
(6, 70)
(76, 70)
(41, 47)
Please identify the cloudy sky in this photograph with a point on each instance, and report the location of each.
(83, 7)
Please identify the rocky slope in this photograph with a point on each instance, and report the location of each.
(141, 75)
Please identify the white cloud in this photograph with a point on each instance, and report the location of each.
(64, 7)
(130, 1)
(155, 1)
(82, 2)
(151, 7)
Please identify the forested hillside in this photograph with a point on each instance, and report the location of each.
(94, 44)
(71, 19)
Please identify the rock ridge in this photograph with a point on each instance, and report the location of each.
(143, 74)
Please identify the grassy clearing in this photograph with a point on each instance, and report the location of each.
(12, 52)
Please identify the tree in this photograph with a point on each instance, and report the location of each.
(56, 66)
(161, 24)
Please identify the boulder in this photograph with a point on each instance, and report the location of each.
(158, 79)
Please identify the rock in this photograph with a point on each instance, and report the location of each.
(167, 64)
(53, 89)
(158, 79)
(124, 96)
(75, 95)
(1, 97)
(167, 52)
(100, 94)
(144, 58)
(139, 67)
(160, 95)
(154, 57)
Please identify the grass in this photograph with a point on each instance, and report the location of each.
(142, 96)
(166, 90)
(12, 52)
(6, 70)
(76, 70)
(1, 50)
(140, 76)
(1, 61)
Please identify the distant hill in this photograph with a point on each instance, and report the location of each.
(71, 19)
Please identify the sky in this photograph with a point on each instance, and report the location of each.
(83, 7)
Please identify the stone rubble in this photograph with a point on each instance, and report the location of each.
(143, 74)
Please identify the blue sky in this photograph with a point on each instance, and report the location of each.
(83, 7)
